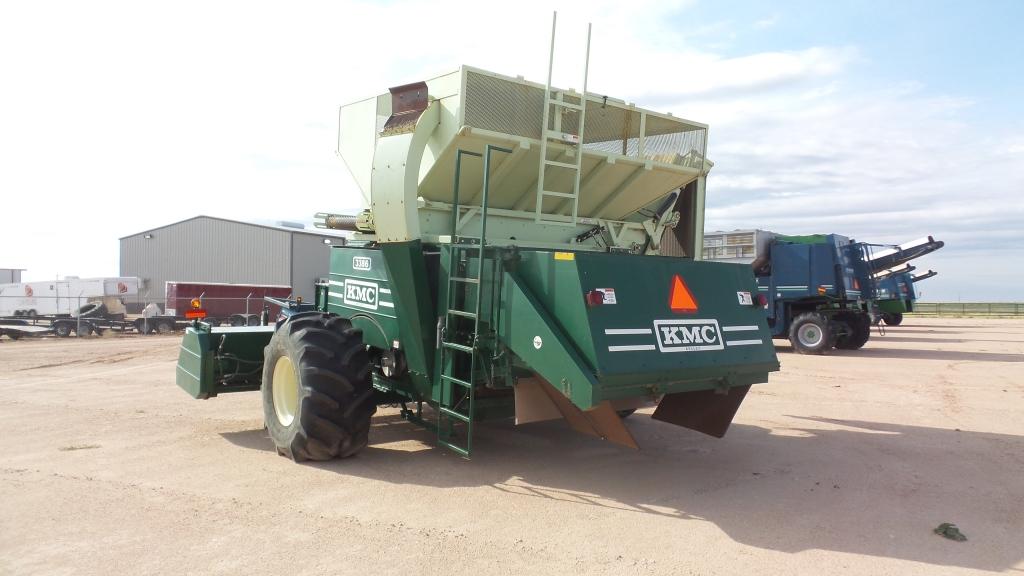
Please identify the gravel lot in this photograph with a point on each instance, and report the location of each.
(841, 464)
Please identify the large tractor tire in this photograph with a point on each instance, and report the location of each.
(858, 331)
(317, 392)
(810, 334)
(892, 318)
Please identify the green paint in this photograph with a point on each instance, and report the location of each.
(214, 361)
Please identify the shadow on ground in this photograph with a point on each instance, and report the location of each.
(841, 485)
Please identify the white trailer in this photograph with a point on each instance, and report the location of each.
(59, 297)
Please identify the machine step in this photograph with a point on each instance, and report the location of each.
(463, 313)
(558, 194)
(464, 280)
(565, 104)
(455, 414)
(571, 166)
(459, 347)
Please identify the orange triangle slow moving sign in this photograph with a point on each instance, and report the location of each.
(681, 300)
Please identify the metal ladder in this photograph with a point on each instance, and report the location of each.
(457, 398)
(561, 106)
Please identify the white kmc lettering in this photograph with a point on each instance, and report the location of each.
(688, 335)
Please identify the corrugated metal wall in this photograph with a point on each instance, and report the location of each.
(207, 250)
(311, 259)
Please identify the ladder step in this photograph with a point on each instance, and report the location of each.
(564, 104)
(459, 347)
(462, 313)
(569, 165)
(558, 194)
(455, 414)
(466, 280)
(563, 136)
(457, 381)
(454, 448)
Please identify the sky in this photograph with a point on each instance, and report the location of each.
(884, 122)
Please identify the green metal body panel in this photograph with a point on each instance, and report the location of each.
(214, 360)
(637, 346)
(364, 289)
(894, 306)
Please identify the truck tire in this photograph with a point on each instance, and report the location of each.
(859, 326)
(163, 326)
(237, 320)
(62, 329)
(83, 329)
(317, 393)
(892, 318)
(810, 334)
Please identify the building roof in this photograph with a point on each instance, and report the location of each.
(312, 232)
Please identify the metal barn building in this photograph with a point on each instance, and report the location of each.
(209, 249)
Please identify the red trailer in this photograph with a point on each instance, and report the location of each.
(235, 304)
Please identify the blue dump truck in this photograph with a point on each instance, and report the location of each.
(820, 291)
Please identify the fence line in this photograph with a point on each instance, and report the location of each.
(990, 309)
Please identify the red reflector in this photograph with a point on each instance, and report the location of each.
(681, 300)
(594, 298)
(195, 314)
(762, 300)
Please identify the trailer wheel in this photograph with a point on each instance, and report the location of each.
(317, 393)
(163, 327)
(13, 335)
(859, 326)
(62, 329)
(237, 320)
(810, 334)
(892, 318)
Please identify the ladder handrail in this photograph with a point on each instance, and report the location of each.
(545, 134)
(446, 399)
(455, 187)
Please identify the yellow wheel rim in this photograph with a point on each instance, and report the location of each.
(285, 388)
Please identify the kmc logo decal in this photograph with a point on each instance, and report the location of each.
(688, 335)
(361, 294)
(360, 263)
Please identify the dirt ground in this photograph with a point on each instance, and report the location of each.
(841, 464)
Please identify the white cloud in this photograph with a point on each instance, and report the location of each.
(119, 117)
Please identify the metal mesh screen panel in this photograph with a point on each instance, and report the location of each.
(513, 107)
(503, 106)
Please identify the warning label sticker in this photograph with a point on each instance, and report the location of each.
(609, 295)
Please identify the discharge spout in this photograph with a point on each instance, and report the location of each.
(903, 253)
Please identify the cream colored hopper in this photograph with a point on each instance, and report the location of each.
(632, 158)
